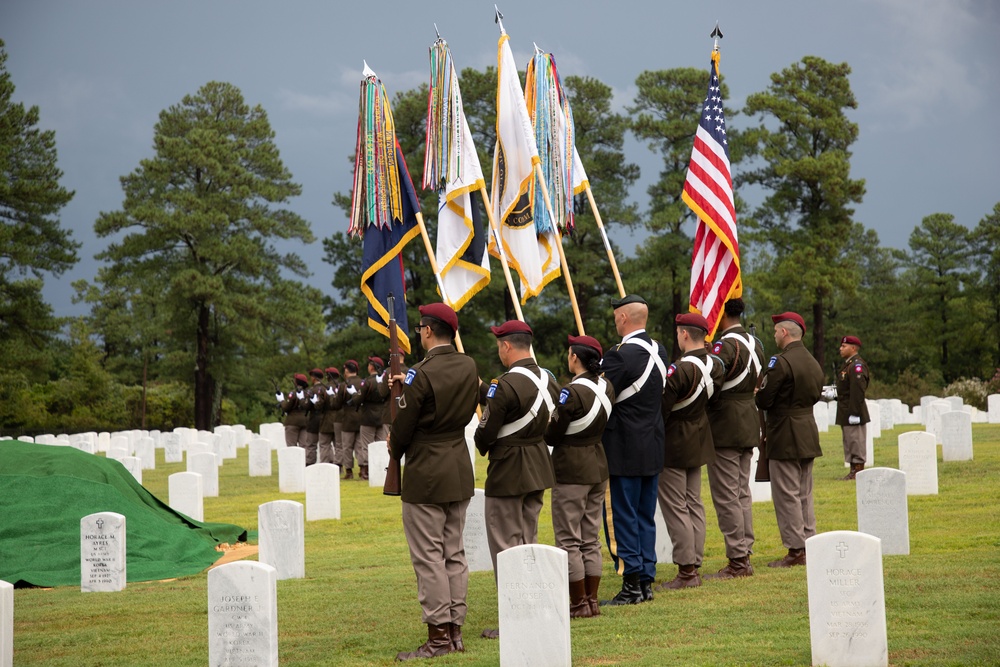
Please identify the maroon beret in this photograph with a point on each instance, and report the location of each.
(691, 320)
(377, 361)
(587, 341)
(511, 327)
(332, 370)
(351, 365)
(316, 372)
(441, 312)
(851, 340)
(299, 377)
(789, 317)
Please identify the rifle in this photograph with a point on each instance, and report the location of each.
(277, 391)
(393, 475)
(763, 470)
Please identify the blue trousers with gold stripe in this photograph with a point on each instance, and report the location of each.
(629, 525)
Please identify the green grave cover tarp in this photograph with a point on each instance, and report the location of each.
(44, 492)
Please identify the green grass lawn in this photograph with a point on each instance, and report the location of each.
(358, 604)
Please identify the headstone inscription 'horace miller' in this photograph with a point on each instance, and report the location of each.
(882, 508)
(846, 600)
(102, 552)
(243, 615)
(533, 600)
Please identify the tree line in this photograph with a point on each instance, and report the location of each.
(195, 313)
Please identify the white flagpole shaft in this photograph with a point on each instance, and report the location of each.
(503, 255)
(607, 243)
(562, 255)
(434, 268)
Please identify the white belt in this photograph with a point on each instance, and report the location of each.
(542, 384)
(601, 403)
(654, 360)
(705, 384)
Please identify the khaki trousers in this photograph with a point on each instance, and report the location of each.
(729, 480)
(512, 521)
(576, 521)
(326, 448)
(434, 535)
(352, 448)
(855, 442)
(310, 441)
(338, 444)
(367, 435)
(792, 492)
(684, 513)
(294, 435)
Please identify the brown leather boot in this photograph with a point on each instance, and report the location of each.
(734, 569)
(438, 643)
(579, 605)
(363, 473)
(490, 633)
(792, 558)
(855, 469)
(592, 584)
(348, 473)
(455, 632)
(687, 577)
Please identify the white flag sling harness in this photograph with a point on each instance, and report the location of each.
(602, 403)
(654, 360)
(704, 384)
(753, 363)
(541, 383)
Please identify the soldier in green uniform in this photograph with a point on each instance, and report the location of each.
(792, 383)
(511, 432)
(852, 411)
(372, 405)
(296, 408)
(735, 426)
(692, 382)
(581, 471)
(438, 400)
(328, 420)
(316, 396)
(351, 424)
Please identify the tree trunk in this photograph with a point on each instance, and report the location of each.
(819, 333)
(202, 380)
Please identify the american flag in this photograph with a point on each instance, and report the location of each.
(708, 191)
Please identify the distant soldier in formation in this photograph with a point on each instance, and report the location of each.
(296, 408)
(581, 471)
(735, 426)
(791, 386)
(351, 424)
(692, 383)
(371, 404)
(316, 397)
(328, 420)
(852, 410)
(511, 433)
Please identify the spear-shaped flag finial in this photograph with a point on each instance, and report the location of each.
(716, 33)
(499, 20)
(438, 33)
(367, 72)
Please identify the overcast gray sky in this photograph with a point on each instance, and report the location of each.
(925, 74)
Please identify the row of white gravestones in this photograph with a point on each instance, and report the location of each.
(533, 606)
(243, 614)
(102, 552)
(281, 538)
(847, 626)
(882, 508)
(6, 624)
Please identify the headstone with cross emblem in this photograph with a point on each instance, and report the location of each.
(846, 600)
(533, 601)
(882, 508)
(102, 552)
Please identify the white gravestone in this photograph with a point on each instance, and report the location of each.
(172, 452)
(993, 406)
(918, 459)
(760, 492)
(918, 416)
(241, 436)
(102, 552)
(664, 546)
(117, 453)
(882, 508)
(322, 491)
(185, 494)
(477, 548)
(875, 417)
(227, 441)
(925, 404)
(885, 409)
(134, 465)
(956, 436)
(378, 461)
(103, 441)
(145, 451)
(533, 601)
(933, 417)
(281, 537)
(831, 416)
(198, 447)
(243, 615)
(954, 401)
(292, 470)
(259, 459)
(846, 600)
(869, 448)
(206, 464)
(822, 416)
(6, 624)
(275, 432)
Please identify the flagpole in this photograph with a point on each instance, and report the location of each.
(562, 255)
(437, 274)
(501, 252)
(607, 243)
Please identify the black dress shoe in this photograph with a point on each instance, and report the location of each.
(647, 590)
(631, 592)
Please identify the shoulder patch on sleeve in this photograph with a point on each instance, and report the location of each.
(858, 368)
(717, 348)
(410, 374)
(493, 388)
(670, 371)
(563, 396)
(773, 361)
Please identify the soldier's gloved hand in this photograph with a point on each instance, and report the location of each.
(314, 399)
(854, 420)
(351, 390)
(279, 396)
(830, 392)
(300, 394)
(330, 391)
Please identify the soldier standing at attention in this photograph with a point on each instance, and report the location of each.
(511, 432)
(692, 382)
(581, 471)
(351, 423)
(328, 423)
(372, 403)
(735, 426)
(317, 405)
(633, 443)
(852, 411)
(792, 383)
(296, 407)
(439, 397)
